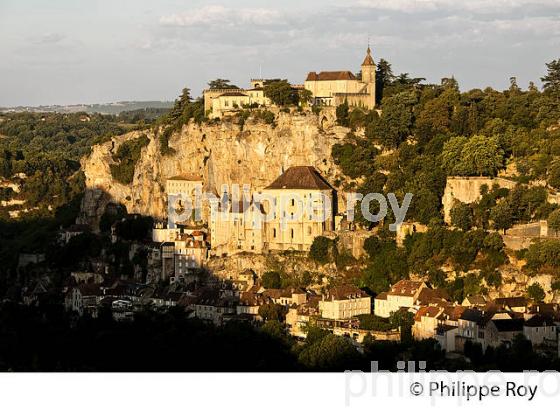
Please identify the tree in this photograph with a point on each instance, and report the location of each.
(330, 353)
(280, 93)
(513, 87)
(553, 177)
(395, 124)
(342, 114)
(180, 104)
(482, 156)
(551, 81)
(272, 311)
(383, 78)
(554, 220)
(475, 156)
(462, 216)
(321, 249)
(220, 83)
(536, 292)
(502, 216)
(437, 277)
(272, 280)
(404, 320)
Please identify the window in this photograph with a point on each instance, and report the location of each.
(274, 232)
(292, 233)
(293, 201)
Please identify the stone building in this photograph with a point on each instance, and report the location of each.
(238, 228)
(333, 88)
(344, 302)
(287, 215)
(218, 102)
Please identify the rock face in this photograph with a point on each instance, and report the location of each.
(221, 153)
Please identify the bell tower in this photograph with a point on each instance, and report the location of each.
(368, 77)
(368, 68)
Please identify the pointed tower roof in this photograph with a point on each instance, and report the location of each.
(369, 59)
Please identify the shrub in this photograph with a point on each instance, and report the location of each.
(127, 156)
(321, 249)
(536, 292)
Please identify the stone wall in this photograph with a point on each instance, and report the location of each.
(467, 190)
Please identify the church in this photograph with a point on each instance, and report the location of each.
(332, 88)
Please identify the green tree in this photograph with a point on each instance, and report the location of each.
(321, 250)
(342, 112)
(502, 216)
(180, 105)
(553, 177)
(280, 93)
(482, 156)
(272, 311)
(536, 292)
(383, 78)
(554, 220)
(403, 320)
(272, 280)
(551, 81)
(330, 353)
(462, 216)
(220, 83)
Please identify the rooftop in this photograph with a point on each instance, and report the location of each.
(330, 76)
(300, 177)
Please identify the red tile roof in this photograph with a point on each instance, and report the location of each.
(330, 76)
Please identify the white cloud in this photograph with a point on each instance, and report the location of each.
(212, 15)
(480, 6)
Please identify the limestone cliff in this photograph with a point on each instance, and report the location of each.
(222, 153)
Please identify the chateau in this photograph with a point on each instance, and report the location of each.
(327, 88)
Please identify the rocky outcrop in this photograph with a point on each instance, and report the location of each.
(223, 153)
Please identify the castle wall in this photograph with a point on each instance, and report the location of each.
(467, 190)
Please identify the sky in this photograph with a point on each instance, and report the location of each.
(96, 51)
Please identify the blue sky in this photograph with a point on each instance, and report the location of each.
(77, 51)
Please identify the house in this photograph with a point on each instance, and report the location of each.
(540, 329)
(404, 293)
(83, 298)
(498, 331)
(469, 328)
(344, 302)
(208, 306)
(72, 231)
(515, 304)
(474, 301)
(249, 304)
(332, 88)
(427, 321)
(223, 101)
(299, 317)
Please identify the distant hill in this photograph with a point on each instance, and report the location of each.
(109, 108)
